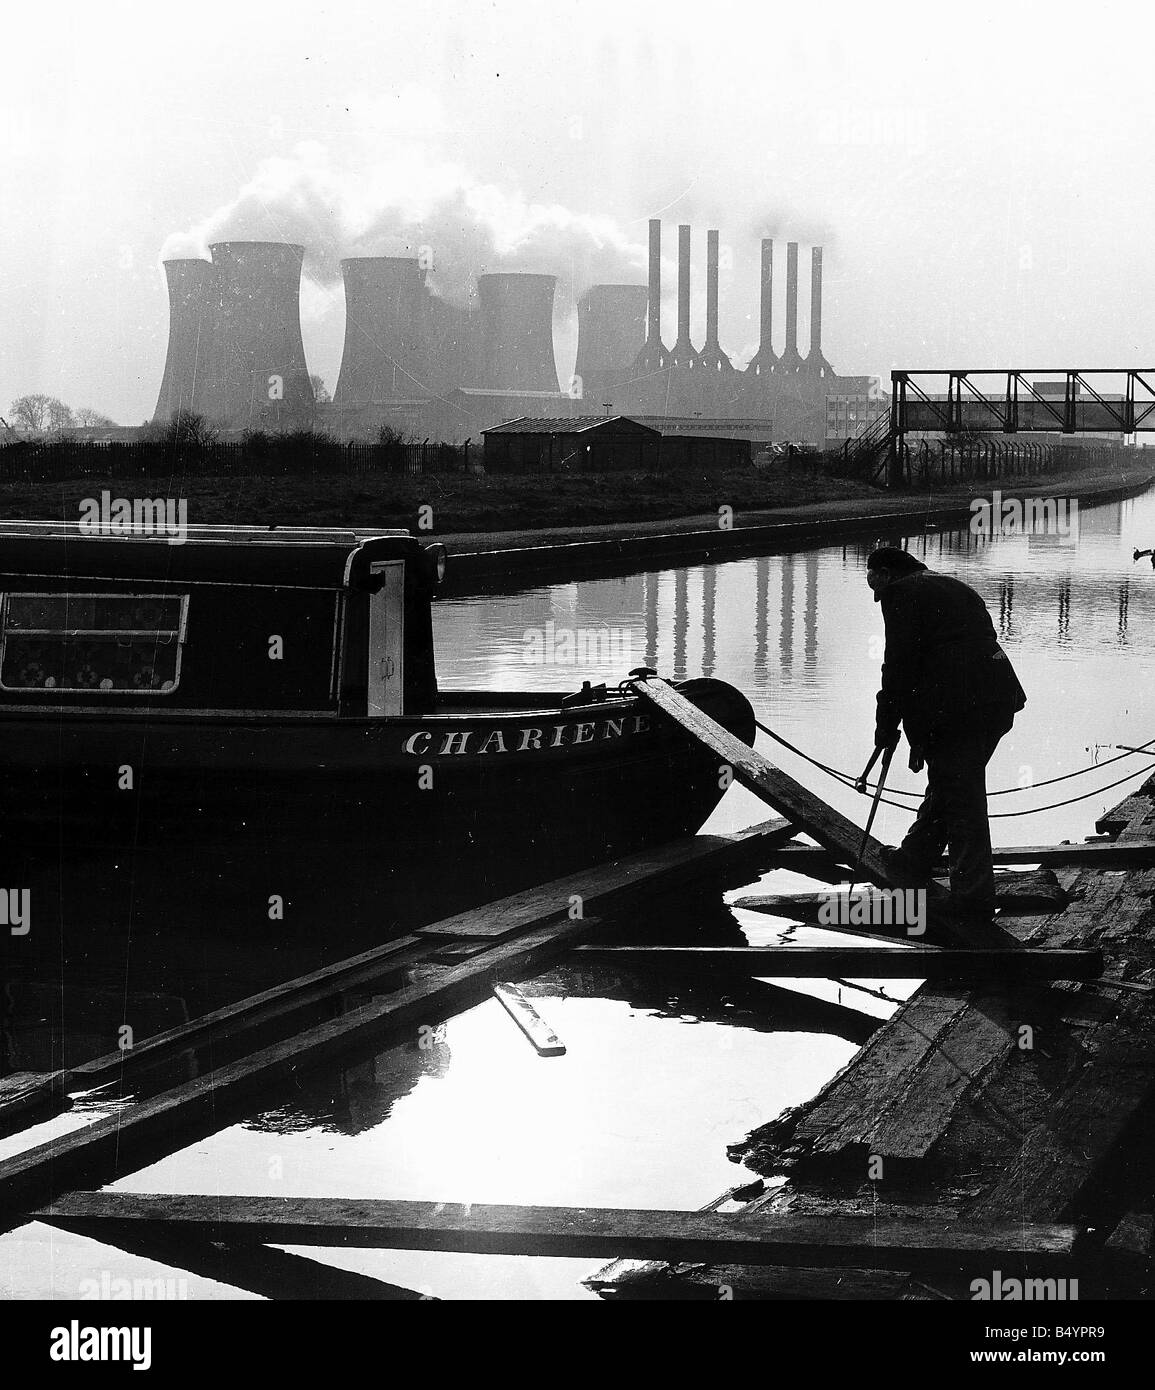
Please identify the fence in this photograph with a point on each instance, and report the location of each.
(53, 461)
(975, 458)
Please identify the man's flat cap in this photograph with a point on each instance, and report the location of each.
(889, 557)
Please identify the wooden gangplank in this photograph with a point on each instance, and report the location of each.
(570, 1232)
(161, 1123)
(836, 834)
(861, 962)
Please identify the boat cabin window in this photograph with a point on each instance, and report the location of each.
(94, 643)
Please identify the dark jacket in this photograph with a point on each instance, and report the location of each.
(943, 670)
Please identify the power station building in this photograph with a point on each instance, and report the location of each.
(429, 368)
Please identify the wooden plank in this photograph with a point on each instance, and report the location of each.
(260, 1269)
(837, 1125)
(25, 1094)
(531, 1023)
(116, 1145)
(665, 866)
(1019, 894)
(833, 831)
(570, 1232)
(28, 1095)
(807, 812)
(1099, 854)
(1059, 1159)
(865, 962)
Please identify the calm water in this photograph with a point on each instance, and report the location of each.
(661, 1074)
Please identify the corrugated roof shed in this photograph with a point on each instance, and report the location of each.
(572, 424)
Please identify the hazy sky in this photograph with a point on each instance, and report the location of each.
(980, 177)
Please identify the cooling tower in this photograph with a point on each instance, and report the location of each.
(815, 362)
(258, 375)
(191, 285)
(790, 358)
(383, 356)
(712, 355)
(516, 332)
(764, 360)
(611, 328)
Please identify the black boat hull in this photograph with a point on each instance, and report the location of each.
(415, 817)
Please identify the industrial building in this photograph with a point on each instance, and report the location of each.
(606, 444)
(429, 368)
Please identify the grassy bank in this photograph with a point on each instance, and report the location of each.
(465, 503)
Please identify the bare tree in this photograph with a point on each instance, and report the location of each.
(38, 413)
(31, 412)
(60, 416)
(188, 430)
(92, 419)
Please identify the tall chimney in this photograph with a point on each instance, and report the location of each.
(653, 355)
(764, 360)
(517, 332)
(815, 362)
(790, 357)
(682, 353)
(191, 294)
(654, 310)
(383, 357)
(258, 376)
(712, 355)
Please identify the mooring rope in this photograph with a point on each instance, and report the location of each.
(850, 781)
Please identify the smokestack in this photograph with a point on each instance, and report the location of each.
(517, 332)
(258, 374)
(683, 354)
(815, 362)
(383, 357)
(653, 355)
(764, 361)
(816, 302)
(790, 357)
(712, 355)
(611, 330)
(191, 287)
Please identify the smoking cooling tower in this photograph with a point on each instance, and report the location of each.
(191, 285)
(384, 354)
(611, 333)
(516, 341)
(258, 374)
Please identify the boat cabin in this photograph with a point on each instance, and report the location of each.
(229, 619)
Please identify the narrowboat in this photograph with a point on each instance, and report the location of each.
(251, 693)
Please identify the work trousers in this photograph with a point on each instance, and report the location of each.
(954, 813)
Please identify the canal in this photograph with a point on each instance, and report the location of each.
(660, 1074)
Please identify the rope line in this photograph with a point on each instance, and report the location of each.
(849, 781)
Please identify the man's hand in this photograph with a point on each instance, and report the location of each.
(917, 759)
(886, 739)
